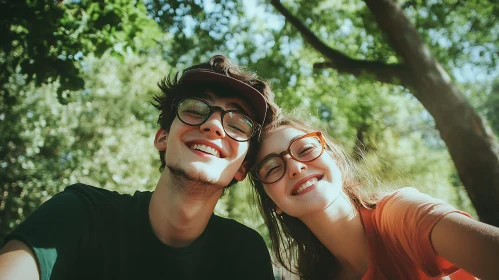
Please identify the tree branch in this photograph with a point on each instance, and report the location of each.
(395, 74)
(387, 73)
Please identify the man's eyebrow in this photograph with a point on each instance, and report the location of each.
(234, 105)
(238, 107)
(206, 97)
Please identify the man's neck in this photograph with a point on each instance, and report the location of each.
(179, 217)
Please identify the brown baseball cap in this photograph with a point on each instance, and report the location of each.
(203, 73)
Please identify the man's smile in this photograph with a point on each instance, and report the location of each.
(206, 149)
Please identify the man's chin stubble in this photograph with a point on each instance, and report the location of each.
(187, 182)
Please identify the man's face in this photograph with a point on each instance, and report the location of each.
(204, 153)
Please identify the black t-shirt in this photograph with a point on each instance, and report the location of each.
(90, 233)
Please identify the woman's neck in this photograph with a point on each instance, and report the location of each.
(340, 229)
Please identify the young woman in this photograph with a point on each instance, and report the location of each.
(321, 218)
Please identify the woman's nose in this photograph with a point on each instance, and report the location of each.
(295, 167)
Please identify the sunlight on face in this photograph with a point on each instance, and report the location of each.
(305, 187)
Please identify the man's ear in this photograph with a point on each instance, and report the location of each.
(160, 140)
(242, 171)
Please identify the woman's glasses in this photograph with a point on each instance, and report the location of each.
(306, 148)
(195, 111)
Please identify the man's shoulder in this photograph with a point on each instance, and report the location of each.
(89, 190)
(229, 223)
(96, 193)
(99, 197)
(226, 226)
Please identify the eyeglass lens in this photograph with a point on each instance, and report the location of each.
(195, 112)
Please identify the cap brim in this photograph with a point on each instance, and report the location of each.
(246, 91)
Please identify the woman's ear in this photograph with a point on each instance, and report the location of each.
(274, 208)
(160, 140)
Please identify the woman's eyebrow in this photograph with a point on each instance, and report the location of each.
(271, 155)
(267, 156)
(294, 138)
(276, 154)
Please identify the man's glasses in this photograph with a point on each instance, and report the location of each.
(306, 148)
(195, 111)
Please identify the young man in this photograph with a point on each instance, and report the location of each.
(210, 118)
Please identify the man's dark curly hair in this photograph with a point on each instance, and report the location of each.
(172, 91)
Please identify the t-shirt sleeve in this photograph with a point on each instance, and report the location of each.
(54, 232)
(404, 221)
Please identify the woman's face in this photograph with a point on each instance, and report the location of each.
(305, 187)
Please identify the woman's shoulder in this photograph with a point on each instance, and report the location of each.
(409, 204)
(407, 196)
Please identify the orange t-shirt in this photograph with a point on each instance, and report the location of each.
(398, 230)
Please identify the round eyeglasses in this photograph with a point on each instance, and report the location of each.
(195, 111)
(305, 148)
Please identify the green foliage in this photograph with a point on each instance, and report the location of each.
(491, 107)
(103, 137)
(44, 40)
(198, 28)
(493, 114)
(485, 98)
(460, 32)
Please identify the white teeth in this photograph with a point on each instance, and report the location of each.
(306, 185)
(206, 149)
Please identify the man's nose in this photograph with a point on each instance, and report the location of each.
(213, 126)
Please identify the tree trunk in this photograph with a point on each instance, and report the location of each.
(471, 143)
